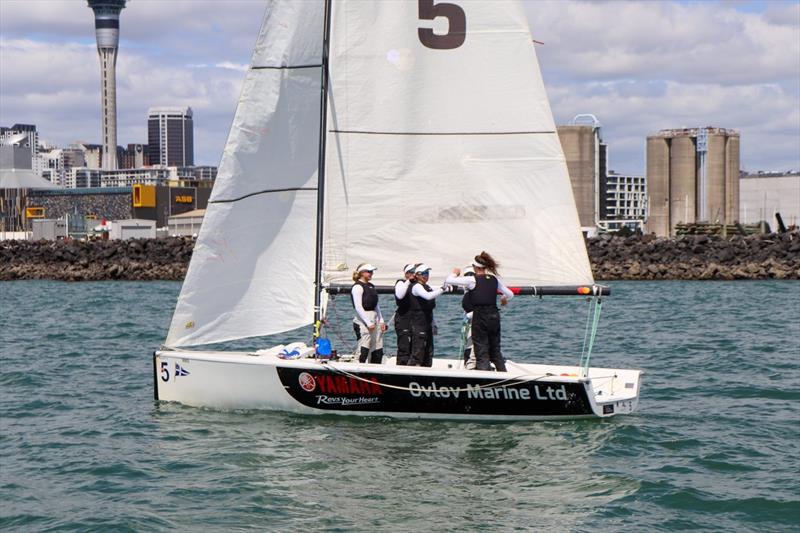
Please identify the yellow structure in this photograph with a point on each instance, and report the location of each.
(144, 195)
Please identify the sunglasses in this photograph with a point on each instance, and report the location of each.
(426, 273)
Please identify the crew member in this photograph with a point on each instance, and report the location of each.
(368, 322)
(402, 317)
(483, 289)
(422, 325)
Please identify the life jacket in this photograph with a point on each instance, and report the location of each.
(421, 305)
(369, 298)
(485, 291)
(404, 303)
(466, 304)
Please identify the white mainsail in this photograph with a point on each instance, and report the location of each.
(440, 144)
(440, 149)
(252, 270)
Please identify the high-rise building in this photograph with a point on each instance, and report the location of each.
(170, 136)
(692, 176)
(106, 24)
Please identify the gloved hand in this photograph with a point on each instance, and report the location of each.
(435, 329)
(447, 288)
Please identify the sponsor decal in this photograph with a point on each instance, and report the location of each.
(307, 381)
(343, 400)
(180, 371)
(608, 409)
(342, 385)
(487, 393)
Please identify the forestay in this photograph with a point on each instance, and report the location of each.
(441, 143)
(252, 271)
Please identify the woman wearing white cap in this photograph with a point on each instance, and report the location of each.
(368, 323)
(421, 311)
(402, 317)
(483, 289)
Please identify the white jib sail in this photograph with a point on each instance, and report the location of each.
(441, 144)
(252, 270)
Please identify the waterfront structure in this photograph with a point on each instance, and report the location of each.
(152, 175)
(585, 154)
(170, 136)
(106, 23)
(692, 176)
(762, 195)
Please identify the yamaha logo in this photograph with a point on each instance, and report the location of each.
(307, 381)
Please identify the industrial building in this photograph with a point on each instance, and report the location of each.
(692, 176)
(763, 195)
(170, 136)
(586, 164)
(605, 200)
(106, 24)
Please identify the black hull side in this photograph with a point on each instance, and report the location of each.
(330, 390)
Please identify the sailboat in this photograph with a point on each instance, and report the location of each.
(387, 132)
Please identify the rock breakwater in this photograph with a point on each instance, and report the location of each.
(696, 257)
(645, 257)
(138, 259)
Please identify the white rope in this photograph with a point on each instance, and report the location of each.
(516, 379)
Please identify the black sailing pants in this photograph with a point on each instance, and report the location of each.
(421, 340)
(402, 327)
(486, 338)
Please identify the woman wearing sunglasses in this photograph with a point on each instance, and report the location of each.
(368, 323)
(422, 302)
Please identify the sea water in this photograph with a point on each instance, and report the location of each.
(714, 443)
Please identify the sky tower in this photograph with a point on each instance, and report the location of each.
(106, 24)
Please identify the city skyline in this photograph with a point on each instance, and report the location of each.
(639, 66)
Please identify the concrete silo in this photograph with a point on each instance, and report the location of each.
(711, 180)
(581, 149)
(732, 178)
(682, 179)
(692, 176)
(658, 185)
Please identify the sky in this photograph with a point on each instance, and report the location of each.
(639, 66)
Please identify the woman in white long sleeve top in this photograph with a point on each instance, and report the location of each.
(368, 322)
(402, 317)
(423, 301)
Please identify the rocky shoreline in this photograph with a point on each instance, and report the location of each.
(644, 257)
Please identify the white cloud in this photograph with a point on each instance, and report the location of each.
(639, 66)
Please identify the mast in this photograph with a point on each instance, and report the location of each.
(323, 127)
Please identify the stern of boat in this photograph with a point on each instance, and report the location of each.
(614, 391)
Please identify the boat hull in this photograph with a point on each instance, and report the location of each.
(237, 380)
